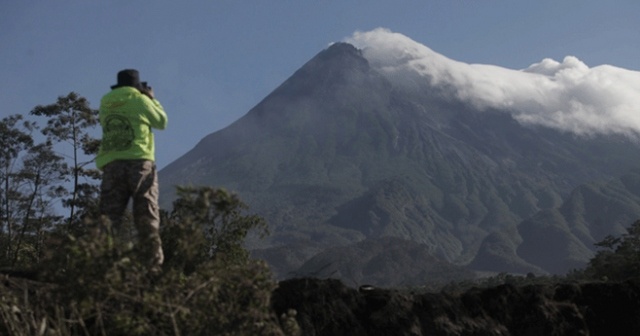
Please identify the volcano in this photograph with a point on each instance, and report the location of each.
(344, 153)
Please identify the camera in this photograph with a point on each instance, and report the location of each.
(146, 89)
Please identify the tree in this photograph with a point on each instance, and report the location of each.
(70, 121)
(15, 138)
(34, 176)
(30, 176)
(38, 185)
(218, 216)
(620, 259)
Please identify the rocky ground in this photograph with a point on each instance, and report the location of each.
(328, 307)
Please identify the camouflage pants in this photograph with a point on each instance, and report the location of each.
(138, 180)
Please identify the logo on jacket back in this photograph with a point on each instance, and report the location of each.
(118, 133)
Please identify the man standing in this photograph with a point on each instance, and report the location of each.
(127, 159)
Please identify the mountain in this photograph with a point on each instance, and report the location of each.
(384, 262)
(340, 153)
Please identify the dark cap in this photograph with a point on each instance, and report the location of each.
(128, 77)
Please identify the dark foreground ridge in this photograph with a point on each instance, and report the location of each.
(328, 307)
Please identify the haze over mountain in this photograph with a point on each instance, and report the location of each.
(488, 168)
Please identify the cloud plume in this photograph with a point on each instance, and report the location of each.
(567, 95)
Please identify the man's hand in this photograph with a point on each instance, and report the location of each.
(148, 91)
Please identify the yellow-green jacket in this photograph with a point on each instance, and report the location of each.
(127, 117)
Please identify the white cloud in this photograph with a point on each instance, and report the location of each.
(565, 95)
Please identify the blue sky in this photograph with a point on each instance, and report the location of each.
(210, 61)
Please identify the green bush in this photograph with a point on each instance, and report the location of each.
(208, 285)
(620, 257)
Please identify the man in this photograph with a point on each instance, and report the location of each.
(127, 160)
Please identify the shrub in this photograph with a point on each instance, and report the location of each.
(208, 286)
(620, 258)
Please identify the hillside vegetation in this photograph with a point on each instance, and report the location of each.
(94, 285)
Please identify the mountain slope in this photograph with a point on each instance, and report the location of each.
(590, 212)
(384, 262)
(339, 153)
